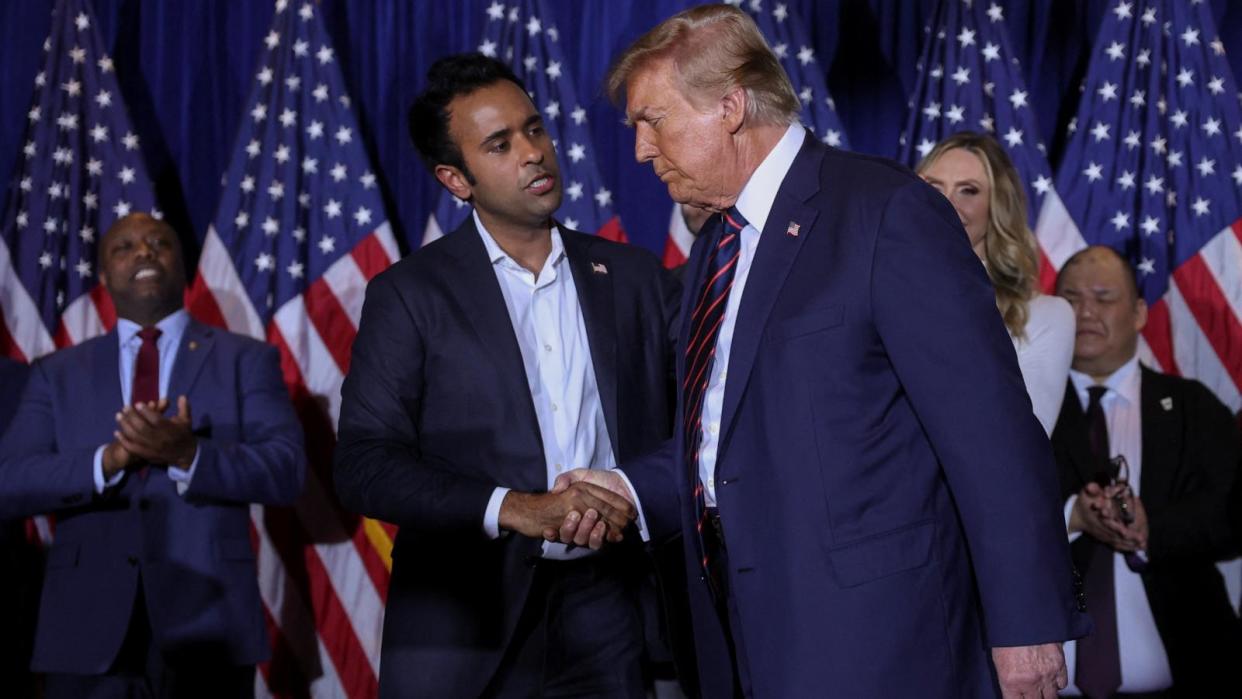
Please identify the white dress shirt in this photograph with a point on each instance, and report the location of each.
(1044, 355)
(172, 329)
(1144, 662)
(755, 204)
(552, 336)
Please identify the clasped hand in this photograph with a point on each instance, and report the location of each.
(585, 508)
(145, 436)
(1098, 512)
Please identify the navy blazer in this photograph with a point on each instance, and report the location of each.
(889, 501)
(191, 552)
(436, 413)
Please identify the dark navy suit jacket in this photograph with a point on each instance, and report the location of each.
(436, 413)
(191, 553)
(889, 501)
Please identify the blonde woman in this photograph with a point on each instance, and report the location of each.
(975, 174)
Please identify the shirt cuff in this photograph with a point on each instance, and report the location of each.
(1069, 510)
(182, 477)
(642, 521)
(97, 469)
(491, 516)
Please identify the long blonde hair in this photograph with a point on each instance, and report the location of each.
(1012, 259)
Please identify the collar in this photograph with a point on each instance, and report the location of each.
(1125, 382)
(497, 255)
(755, 201)
(173, 324)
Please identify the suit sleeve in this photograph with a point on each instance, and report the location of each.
(1196, 525)
(379, 470)
(935, 312)
(35, 476)
(268, 464)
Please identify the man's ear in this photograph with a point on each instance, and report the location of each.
(454, 180)
(733, 109)
(1140, 315)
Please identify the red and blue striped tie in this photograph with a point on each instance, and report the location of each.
(705, 322)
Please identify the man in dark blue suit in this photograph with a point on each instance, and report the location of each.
(487, 363)
(869, 507)
(148, 444)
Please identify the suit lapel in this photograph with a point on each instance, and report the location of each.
(1160, 414)
(474, 285)
(196, 344)
(774, 257)
(595, 298)
(105, 367)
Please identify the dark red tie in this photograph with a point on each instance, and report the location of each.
(705, 321)
(146, 385)
(1098, 672)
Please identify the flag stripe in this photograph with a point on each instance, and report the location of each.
(1207, 307)
(1193, 348)
(30, 337)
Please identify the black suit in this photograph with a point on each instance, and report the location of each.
(437, 413)
(1189, 463)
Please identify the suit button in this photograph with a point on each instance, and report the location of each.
(132, 560)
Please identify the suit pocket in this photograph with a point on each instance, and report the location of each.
(806, 324)
(882, 555)
(235, 549)
(63, 556)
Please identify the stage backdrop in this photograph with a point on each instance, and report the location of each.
(1123, 115)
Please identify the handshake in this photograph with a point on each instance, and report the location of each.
(585, 507)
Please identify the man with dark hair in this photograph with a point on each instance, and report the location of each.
(487, 363)
(1147, 462)
(148, 444)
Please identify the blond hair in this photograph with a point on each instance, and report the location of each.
(1012, 259)
(715, 49)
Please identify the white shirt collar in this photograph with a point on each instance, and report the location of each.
(755, 201)
(497, 254)
(172, 324)
(1126, 382)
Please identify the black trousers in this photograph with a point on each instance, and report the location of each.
(726, 604)
(141, 671)
(580, 634)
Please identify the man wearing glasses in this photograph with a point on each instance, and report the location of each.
(1146, 463)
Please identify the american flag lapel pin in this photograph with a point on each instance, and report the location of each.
(792, 230)
(599, 268)
(193, 345)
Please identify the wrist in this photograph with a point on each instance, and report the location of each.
(513, 511)
(186, 459)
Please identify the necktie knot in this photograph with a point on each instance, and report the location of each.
(150, 335)
(1095, 394)
(734, 221)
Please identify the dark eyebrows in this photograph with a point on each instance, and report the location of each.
(500, 134)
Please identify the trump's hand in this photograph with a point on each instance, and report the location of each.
(1030, 672)
(577, 528)
(539, 514)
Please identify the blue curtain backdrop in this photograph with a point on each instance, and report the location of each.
(186, 67)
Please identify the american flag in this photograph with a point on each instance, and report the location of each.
(790, 40)
(523, 36)
(299, 231)
(1153, 168)
(81, 169)
(969, 80)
